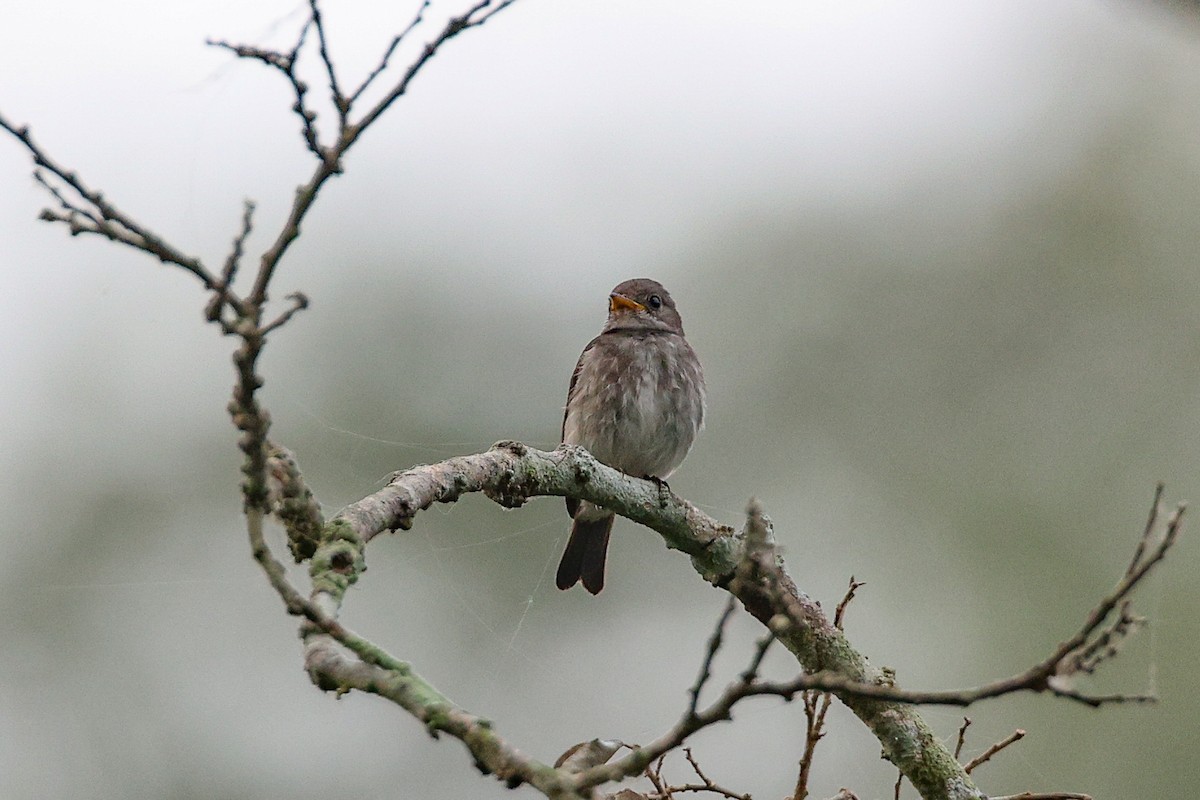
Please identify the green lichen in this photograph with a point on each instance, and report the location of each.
(336, 565)
(437, 718)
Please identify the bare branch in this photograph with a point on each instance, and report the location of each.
(1108, 641)
(272, 58)
(286, 64)
(840, 612)
(477, 15)
(666, 791)
(714, 644)
(335, 93)
(760, 651)
(332, 671)
(962, 736)
(233, 261)
(1147, 554)
(654, 774)
(993, 750)
(299, 302)
(97, 215)
(213, 312)
(847, 688)
(691, 721)
(1078, 655)
(757, 546)
(816, 706)
(348, 132)
(707, 785)
(69, 208)
(417, 19)
(1148, 531)
(983, 757)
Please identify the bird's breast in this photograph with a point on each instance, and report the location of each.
(638, 403)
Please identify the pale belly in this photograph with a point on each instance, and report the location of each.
(641, 419)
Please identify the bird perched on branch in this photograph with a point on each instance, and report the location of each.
(636, 403)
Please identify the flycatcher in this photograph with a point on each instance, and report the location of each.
(636, 403)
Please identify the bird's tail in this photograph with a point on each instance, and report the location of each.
(584, 556)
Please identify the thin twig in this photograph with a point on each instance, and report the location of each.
(349, 133)
(1015, 736)
(233, 261)
(1053, 674)
(379, 69)
(654, 773)
(692, 720)
(707, 785)
(840, 612)
(335, 93)
(750, 673)
(308, 117)
(66, 205)
(453, 27)
(1148, 531)
(714, 644)
(219, 299)
(285, 63)
(106, 220)
(299, 303)
(1109, 640)
(816, 706)
(962, 736)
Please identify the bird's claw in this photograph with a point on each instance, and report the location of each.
(664, 491)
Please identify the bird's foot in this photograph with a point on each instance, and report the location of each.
(664, 491)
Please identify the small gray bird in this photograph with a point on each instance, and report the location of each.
(636, 403)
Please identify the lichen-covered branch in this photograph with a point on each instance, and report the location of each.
(747, 564)
(511, 473)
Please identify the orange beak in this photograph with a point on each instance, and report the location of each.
(619, 304)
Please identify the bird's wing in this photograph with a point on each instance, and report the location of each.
(574, 382)
(572, 503)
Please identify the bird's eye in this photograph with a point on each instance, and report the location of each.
(655, 301)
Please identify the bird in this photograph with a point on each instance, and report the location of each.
(636, 402)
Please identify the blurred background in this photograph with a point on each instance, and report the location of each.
(938, 259)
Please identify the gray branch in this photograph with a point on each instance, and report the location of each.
(744, 563)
